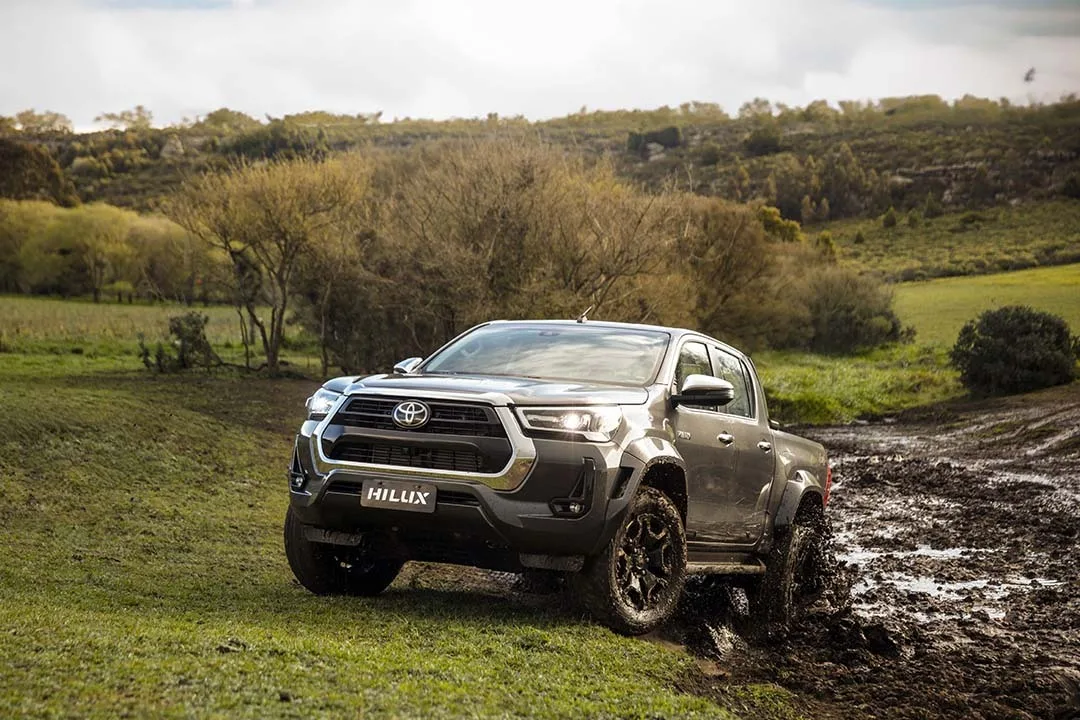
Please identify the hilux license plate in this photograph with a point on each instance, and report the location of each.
(417, 497)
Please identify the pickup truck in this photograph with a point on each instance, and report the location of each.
(622, 457)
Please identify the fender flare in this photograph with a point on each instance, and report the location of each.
(646, 453)
(640, 456)
(797, 488)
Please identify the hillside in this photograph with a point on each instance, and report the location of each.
(814, 163)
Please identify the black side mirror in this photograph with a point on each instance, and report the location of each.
(407, 366)
(704, 390)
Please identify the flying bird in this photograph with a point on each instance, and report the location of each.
(1029, 76)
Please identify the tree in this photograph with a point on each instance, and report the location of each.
(21, 224)
(229, 121)
(267, 218)
(96, 238)
(808, 212)
(43, 122)
(137, 118)
(29, 172)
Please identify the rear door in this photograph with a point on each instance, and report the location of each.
(743, 504)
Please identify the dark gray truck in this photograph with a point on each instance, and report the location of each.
(622, 456)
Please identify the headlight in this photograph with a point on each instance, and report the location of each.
(597, 423)
(319, 404)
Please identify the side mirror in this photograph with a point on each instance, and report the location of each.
(774, 424)
(704, 390)
(407, 366)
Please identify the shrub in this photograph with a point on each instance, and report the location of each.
(1014, 349)
(914, 218)
(859, 237)
(933, 207)
(889, 218)
(710, 154)
(1071, 187)
(188, 333)
(765, 140)
(850, 312)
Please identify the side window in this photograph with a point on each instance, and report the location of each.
(730, 368)
(693, 360)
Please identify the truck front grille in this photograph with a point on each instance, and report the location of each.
(379, 452)
(447, 418)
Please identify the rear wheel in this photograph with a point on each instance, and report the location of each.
(795, 572)
(336, 569)
(635, 583)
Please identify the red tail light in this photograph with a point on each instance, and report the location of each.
(828, 482)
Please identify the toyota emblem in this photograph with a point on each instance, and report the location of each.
(411, 414)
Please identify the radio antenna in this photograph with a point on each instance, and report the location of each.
(585, 315)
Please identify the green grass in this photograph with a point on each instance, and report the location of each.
(32, 322)
(968, 243)
(143, 575)
(53, 327)
(814, 389)
(937, 309)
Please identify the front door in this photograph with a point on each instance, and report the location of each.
(711, 455)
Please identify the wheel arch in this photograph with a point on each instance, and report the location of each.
(803, 494)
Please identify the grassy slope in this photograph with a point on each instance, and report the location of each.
(939, 308)
(143, 573)
(988, 241)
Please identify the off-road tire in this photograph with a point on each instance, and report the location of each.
(605, 586)
(335, 569)
(794, 573)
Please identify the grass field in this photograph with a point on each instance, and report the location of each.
(143, 575)
(937, 309)
(970, 243)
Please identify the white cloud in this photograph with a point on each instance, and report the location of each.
(441, 58)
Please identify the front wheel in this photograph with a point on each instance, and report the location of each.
(336, 569)
(634, 584)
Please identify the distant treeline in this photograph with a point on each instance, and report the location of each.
(385, 254)
(814, 163)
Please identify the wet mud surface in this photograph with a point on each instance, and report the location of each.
(959, 536)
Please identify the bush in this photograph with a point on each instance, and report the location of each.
(1015, 349)
(764, 140)
(192, 349)
(889, 218)
(1071, 188)
(933, 207)
(850, 312)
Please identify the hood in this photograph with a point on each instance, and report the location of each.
(506, 390)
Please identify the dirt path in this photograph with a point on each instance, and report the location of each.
(960, 531)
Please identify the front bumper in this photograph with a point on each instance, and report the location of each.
(480, 519)
(473, 516)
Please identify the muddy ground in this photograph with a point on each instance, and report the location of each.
(957, 529)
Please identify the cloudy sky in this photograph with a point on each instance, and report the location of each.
(444, 58)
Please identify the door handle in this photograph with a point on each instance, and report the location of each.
(764, 446)
(725, 438)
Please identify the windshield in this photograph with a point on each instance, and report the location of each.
(620, 356)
